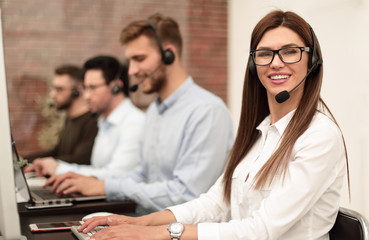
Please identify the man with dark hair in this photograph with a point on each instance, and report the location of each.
(120, 123)
(77, 137)
(188, 131)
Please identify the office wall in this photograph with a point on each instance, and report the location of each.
(342, 29)
(42, 34)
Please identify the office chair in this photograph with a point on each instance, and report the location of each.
(349, 225)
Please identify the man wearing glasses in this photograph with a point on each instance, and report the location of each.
(120, 122)
(77, 136)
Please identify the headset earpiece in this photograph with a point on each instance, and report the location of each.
(167, 56)
(75, 93)
(116, 89)
(252, 66)
(314, 61)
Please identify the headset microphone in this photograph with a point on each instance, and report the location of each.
(134, 87)
(284, 95)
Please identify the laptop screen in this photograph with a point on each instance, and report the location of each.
(21, 188)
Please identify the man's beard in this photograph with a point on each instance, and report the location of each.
(65, 105)
(157, 82)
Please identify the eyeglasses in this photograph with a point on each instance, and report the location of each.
(262, 57)
(92, 88)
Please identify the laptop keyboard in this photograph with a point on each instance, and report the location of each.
(82, 236)
(46, 194)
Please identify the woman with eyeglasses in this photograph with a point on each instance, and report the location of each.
(285, 172)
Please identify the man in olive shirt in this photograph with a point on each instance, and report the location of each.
(77, 137)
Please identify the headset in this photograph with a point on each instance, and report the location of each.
(116, 88)
(75, 92)
(314, 61)
(167, 56)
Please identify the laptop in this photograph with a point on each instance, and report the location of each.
(39, 197)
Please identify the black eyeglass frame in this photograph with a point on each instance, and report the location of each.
(302, 49)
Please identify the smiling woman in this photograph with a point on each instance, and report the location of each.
(284, 71)
(285, 171)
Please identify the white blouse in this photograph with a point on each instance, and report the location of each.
(302, 206)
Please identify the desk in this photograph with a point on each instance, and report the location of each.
(73, 213)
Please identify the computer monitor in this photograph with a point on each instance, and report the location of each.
(9, 218)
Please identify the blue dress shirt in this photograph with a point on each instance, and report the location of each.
(185, 145)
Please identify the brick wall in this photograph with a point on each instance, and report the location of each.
(42, 34)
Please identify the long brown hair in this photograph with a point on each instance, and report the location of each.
(255, 106)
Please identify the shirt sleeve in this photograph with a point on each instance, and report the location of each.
(317, 168)
(217, 210)
(205, 146)
(124, 158)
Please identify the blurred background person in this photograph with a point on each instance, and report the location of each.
(77, 136)
(120, 122)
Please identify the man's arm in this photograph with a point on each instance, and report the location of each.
(206, 143)
(124, 158)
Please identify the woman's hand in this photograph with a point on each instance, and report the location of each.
(151, 226)
(111, 220)
(122, 227)
(131, 232)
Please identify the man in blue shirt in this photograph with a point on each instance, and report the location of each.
(188, 131)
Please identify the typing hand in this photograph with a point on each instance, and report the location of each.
(56, 180)
(29, 168)
(76, 183)
(42, 166)
(122, 230)
(111, 220)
